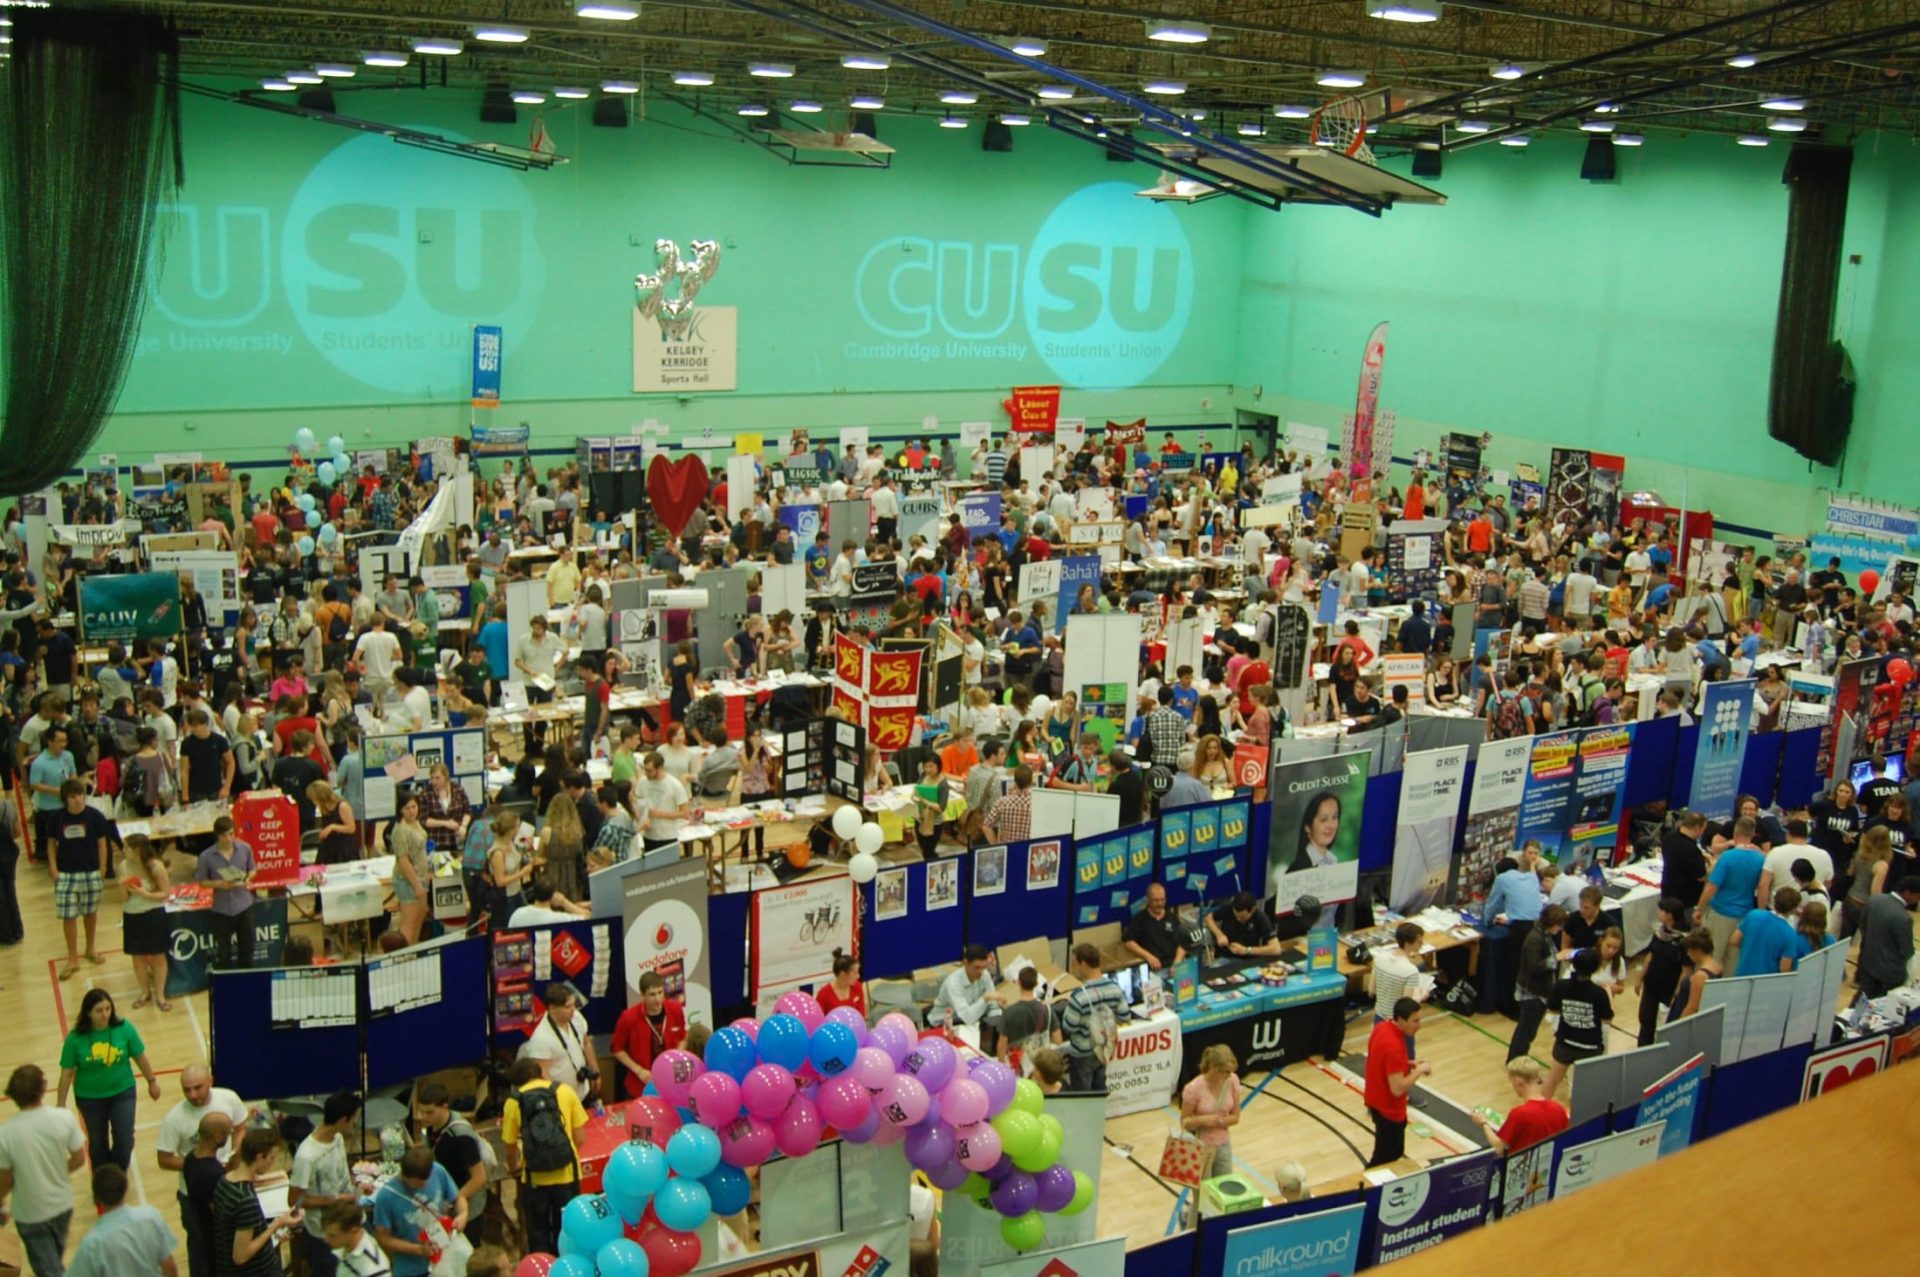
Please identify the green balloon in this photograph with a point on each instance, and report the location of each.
(1047, 1152)
(1050, 1126)
(1019, 1132)
(976, 1186)
(1024, 1232)
(1027, 1097)
(1037, 1158)
(1082, 1194)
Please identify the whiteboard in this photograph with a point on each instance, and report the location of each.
(1104, 649)
(1058, 812)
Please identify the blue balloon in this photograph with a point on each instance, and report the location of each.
(568, 1246)
(783, 1041)
(731, 1052)
(729, 1189)
(692, 1151)
(634, 1173)
(832, 1048)
(572, 1264)
(307, 502)
(326, 471)
(304, 545)
(303, 439)
(592, 1222)
(337, 446)
(623, 1258)
(328, 534)
(341, 465)
(682, 1204)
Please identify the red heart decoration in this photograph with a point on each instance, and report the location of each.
(676, 489)
(1840, 1076)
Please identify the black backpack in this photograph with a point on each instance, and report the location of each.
(544, 1142)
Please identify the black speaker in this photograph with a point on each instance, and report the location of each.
(610, 113)
(1810, 398)
(1597, 164)
(864, 122)
(1116, 152)
(996, 137)
(320, 99)
(1426, 163)
(497, 108)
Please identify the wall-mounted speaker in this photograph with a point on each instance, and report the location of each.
(996, 137)
(1597, 164)
(865, 122)
(497, 108)
(1426, 163)
(610, 113)
(1810, 397)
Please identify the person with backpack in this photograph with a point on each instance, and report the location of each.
(1090, 1022)
(539, 1126)
(459, 1149)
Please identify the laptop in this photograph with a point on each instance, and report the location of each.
(1132, 981)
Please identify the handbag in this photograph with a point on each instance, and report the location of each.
(1183, 1159)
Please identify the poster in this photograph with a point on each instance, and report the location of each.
(1526, 1178)
(990, 871)
(1314, 846)
(943, 884)
(1726, 715)
(1417, 1212)
(1145, 1065)
(1597, 1161)
(1598, 793)
(797, 928)
(980, 514)
(1034, 409)
(665, 913)
(1545, 807)
(1322, 1244)
(1675, 1100)
(1835, 1067)
(138, 605)
(1043, 864)
(1848, 698)
(890, 895)
(486, 366)
(1430, 792)
(270, 824)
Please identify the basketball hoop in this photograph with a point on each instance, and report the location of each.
(1341, 125)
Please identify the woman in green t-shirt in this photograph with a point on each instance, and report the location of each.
(96, 1064)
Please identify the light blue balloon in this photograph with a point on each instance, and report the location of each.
(328, 534)
(692, 1151)
(337, 446)
(592, 1222)
(303, 439)
(728, 1189)
(682, 1204)
(634, 1172)
(307, 502)
(304, 545)
(571, 1263)
(326, 471)
(568, 1246)
(341, 464)
(623, 1258)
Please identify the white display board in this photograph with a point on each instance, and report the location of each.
(1102, 650)
(1059, 812)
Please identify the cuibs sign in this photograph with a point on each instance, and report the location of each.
(1101, 295)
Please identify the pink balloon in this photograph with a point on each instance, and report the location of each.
(889, 1039)
(716, 1099)
(767, 1091)
(904, 1102)
(873, 1067)
(899, 1021)
(845, 1101)
(675, 1071)
(796, 1132)
(977, 1147)
(964, 1102)
(534, 1266)
(887, 1133)
(854, 1021)
(746, 1141)
(803, 1007)
(749, 1026)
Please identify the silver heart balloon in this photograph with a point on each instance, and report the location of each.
(667, 293)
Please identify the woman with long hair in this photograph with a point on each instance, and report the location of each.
(1341, 677)
(563, 844)
(1210, 766)
(1903, 840)
(1701, 967)
(1210, 1109)
(97, 1060)
(1319, 827)
(508, 867)
(845, 988)
(335, 824)
(145, 931)
(1871, 866)
(412, 874)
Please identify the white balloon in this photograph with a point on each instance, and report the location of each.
(846, 822)
(862, 868)
(870, 838)
(1040, 706)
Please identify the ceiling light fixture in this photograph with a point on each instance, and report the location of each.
(693, 79)
(753, 109)
(1744, 60)
(952, 121)
(804, 106)
(865, 61)
(770, 70)
(529, 97)
(1197, 115)
(1054, 92)
(1507, 70)
(1472, 126)
(438, 47)
(1027, 47)
(1752, 139)
(959, 97)
(1169, 31)
(1515, 139)
(497, 33)
(606, 10)
(619, 86)
(1166, 88)
(1784, 104)
(1341, 79)
(1287, 111)
(383, 58)
(1787, 124)
(572, 93)
(866, 102)
(301, 77)
(1404, 10)
(1016, 120)
(1253, 129)
(1628, 139)
(334, 70)
(1606, 108)
(1596, 126)
(278, 86)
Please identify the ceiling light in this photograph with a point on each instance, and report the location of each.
(752, 109)
(1606, 108)
(771, 70)
(1787, 124)
(529, 97)
(1628, 139)
(1016, 120)
(1293, 112)
(1752, 139)
(804, 106)
(1166, 88)
(693, 79)
(334, 70)
(1172, 32)
(866, 102)
(865, 61)
(605, 10)
(1055, 92)
(278, 86)
(379, 58)
(1515, 139)
(1196, 115)
(572, 93)
(301, 77)
(1341, 79)
(951, 121)
(1506, 70)
(1404, 10)
(959, 97)
(437, 47)
(497, 33)
(1472, 126)
(1744, 60)
(1027, 47)
(1251, 129)
(1784, 104)
(1596, 126)
(619, 86)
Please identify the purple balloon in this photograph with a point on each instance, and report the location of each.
(1055, 1186)
(929, 1145)
(872, 1068)
(933, 1112)
(889, 1134)
(854, 1021)
(1015, 1195)
(1001, 1169)
(932, 1060)
(892, 1040)
(950, 1175)
(862, 1132)
(998, 1081)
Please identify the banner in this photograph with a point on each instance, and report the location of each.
(1430, 792)
(1849, 517)
(805, 522)
(1597, 1161)
(499, 441)
(665, 912)
(796, 930)
(269, 823)
(1034, 409)
(190, 939)
(1145, 1065)
(1675, 1100)
(1838, 748)
(1493, 815)
(140, 605)
(1323, 1244)
(1130, 435)
(1313, 848)
(1417, 1212)
(1598, 794)
(980, 514)
(1075, 572)
(1726, 716)
(486, 366)
(91, 536)
(1366, 406)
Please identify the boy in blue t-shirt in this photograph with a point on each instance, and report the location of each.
(1186, 697)
(408, 1208)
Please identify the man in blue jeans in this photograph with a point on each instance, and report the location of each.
(40, 1148)
(1089, 1023)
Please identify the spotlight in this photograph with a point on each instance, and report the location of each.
(498, 33)
(951, 121)
(438, 48)
(753, 110)
(334, 70)
(1507, 70)
(959, 97)
(1472, 126)
(1629, 139)
(529, 97)
(1027, 47)
(1784, 104)
(693, 79)
(572, 93)
(1341, 79)
(1515, 139)
(1293, 111)
(1054, 92)
(1166, 88)
(1173, 32)
(1744, 60)
(1404, 10)
(866, 102)
(379, 58)
(865, 61)
(619, 86)
(770, 70)
(804, 106)
(606, 11)
(1752, 139)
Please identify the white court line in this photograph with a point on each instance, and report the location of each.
(199, 1034)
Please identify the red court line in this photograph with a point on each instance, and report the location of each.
(1321, 1065)
(53, 975)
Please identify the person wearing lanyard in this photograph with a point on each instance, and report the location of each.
(228, 864)
(561, 1042)
(647, 1028)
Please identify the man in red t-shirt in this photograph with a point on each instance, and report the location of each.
(1537, 1117)
(1390, 1075)
(646, 1029)
(1480, 535)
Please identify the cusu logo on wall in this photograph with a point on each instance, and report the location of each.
(1102, 294)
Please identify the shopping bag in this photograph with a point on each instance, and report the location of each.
(1182, 1160)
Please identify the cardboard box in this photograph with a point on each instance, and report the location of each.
(1039, 952)
(1232, 1194)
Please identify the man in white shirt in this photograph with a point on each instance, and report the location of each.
(563, 1046)
(886, 509)
(1581, 585)
(1253, 547)
(538, 655)
(1639, 563)
(665, 801)
(1777, 871)
(378, 653)
(180, 1129)
(319, 1177)
(40, 1148)
(840, 575)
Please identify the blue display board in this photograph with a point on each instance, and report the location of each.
(268, 1058)
(418, 1034)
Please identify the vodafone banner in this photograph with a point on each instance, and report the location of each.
(1145, 1064)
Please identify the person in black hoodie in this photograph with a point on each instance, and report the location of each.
(1659, 979)
(1683, 871)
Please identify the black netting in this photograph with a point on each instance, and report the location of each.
(90, 143)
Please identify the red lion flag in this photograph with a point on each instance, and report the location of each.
(893, 677)
(850, 664)
(889, 728)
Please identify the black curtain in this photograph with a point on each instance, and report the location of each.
(1809, 401)
(90, 148)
